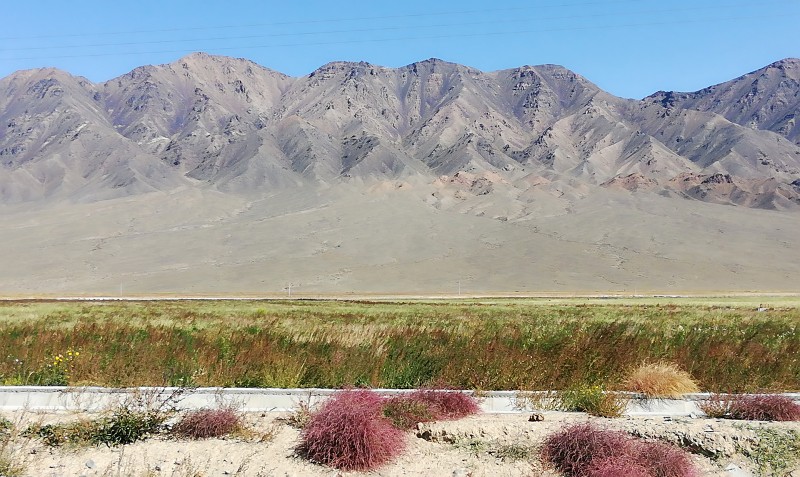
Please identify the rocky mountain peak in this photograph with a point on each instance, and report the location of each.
(242, 128)
(786, 64)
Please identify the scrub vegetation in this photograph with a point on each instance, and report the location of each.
(530, 344)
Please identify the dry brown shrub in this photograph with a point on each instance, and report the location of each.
(205, 423)
(661, 380)
(756, 407)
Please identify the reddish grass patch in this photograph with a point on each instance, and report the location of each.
(583, 450)
(349, 432)
(445, 404)
(760, 407)
(207, 423)
(617, 466)
(406, 412)
(573, 449)
(765, 407)
(663, 460)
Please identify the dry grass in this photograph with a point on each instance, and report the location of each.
(759, 407)
(406, 412)
(205, 423)
(489, 345)
(661, 380)
(12, 464)
(301, 415)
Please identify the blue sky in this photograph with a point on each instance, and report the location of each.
(630, 48)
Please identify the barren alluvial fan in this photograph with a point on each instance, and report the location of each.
(522, 146)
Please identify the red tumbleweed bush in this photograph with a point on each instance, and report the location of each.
(765, 407)
(617, 466)
(349, 432)
(445, 404)
(662, 459)
(759, 407)
(583, 450)
(573, 449)
(206, 423)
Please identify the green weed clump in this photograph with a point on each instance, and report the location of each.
(140, 415)
(6, 427)
(775, 452)
(593, 400)
(76, 433)
(10, 467)
(11, 463)
(124, 426)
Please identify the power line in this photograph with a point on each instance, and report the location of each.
(407, 38)
(369, 30)
(326, 20)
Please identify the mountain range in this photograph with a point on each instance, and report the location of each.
(446, 146)
(238, 127)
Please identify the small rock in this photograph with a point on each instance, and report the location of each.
(90, 464)
(734, 470)
(460, 473)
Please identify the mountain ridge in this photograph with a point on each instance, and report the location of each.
(239, 127)
(214, 175)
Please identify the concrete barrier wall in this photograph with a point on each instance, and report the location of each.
(57, 398)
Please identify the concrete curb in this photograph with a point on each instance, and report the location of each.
(62, 398)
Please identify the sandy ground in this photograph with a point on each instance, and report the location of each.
(469, 447)
(356, 242)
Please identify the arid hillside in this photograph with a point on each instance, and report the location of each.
(216, 175)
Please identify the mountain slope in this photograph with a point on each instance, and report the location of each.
(231, 125)
(58, 141)
(766, 99)
(215, 175)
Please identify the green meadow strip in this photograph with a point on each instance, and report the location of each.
(477, 344)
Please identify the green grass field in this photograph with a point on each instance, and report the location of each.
(485, 344)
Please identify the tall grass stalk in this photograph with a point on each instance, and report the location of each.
(501, 344)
